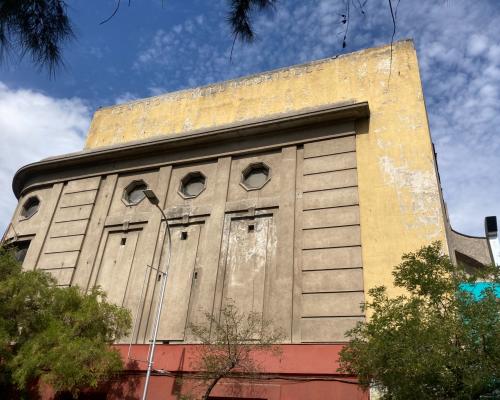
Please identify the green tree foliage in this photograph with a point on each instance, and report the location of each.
(39, 28)
(436, 341)
(35, 27)
(60, 336)
(230, 343)
(239, 16)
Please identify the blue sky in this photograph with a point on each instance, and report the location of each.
(149, 49)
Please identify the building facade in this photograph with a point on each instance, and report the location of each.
(289, 193)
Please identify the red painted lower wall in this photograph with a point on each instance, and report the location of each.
(305, 371)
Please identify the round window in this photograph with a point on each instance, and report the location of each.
(255, 176)
(194, 187)
(134, 192)
(192, 184)
(30, 207)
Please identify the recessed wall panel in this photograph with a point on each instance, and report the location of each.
(329, 147)
(79, 185)
(69, 228)
(327, 330)
(335, 280)
(331, 258)
(327, 163)
(63, 244)
(185, 245)
(116, 264)
(73, 213)
(331, 217)
(331, 198)
(330, 180)
(331, 237)
(250, 249)
(332, 304)
(58, 260)
(78, 198)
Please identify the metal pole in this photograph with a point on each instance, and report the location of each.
(159, 307)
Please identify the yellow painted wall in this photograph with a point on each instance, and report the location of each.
(399, 194)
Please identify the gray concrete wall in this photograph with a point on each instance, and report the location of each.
(290, 250)
(469, 251)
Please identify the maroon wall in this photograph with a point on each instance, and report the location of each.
(306, 371)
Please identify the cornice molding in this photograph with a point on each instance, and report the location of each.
(33, 174)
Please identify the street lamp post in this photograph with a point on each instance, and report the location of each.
(153, 199)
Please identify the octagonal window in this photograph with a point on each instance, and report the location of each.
(134, 192)
(255, 176)
(192, 185)
(30, 207)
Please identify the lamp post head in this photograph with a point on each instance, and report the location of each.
(151, 196)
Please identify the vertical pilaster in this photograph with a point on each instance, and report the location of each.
(297, 266)
(281, 299)
(209, 289)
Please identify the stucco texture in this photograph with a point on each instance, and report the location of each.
(400, 204)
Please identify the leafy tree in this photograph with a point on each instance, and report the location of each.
(60, 336)
(35, 27)
(230, 343)
(436, 341)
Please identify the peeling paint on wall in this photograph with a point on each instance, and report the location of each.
(416, 191)
(251, 245)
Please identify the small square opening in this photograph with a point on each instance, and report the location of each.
(123, 241)
(251, 227)
(184, 235)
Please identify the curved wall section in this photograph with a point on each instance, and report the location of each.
(290, 248)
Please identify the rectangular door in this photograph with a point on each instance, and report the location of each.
(185, 241)
(249, 252)
(116, 265)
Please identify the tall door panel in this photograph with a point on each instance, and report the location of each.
(115, 267)
(185, 240)
(250, 250)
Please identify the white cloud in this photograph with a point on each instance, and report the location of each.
(459, 55)
(125, 98)
(34, 126)
(478, 44)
